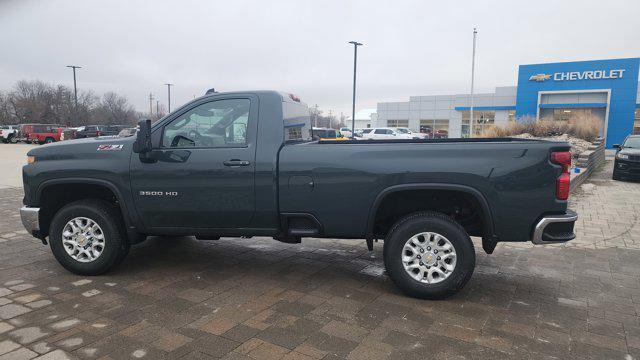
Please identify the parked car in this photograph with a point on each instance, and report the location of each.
(9, 133)
(127, 132)
(423, 197)
(627, 160)
(413, 135)
(427, 131)
(91, 131)
(27, 129)
(385, 134)
(45, 134)
(326, 134)
(113, 130)
(69, 134)
(345, 131)
(441, 134)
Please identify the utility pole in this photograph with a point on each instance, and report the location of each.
(330, 118)
(353, 106)
(473, 73)
(169, 85)
(158, 107)
(151, 98)
(75, 88)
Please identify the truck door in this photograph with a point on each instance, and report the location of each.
(201, 171)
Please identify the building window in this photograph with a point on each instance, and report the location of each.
(293, 134)
(398, 123)
(636, 123)
(435, 128)
(481, 121)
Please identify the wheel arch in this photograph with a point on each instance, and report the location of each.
(46, 186)
(487, 216)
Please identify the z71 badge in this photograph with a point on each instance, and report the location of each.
(110, 147)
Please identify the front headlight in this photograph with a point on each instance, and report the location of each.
(623, 156)
(31, 159)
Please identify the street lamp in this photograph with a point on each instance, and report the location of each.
(353, 106)
(169, 85)
(75, 89)
(473, 73)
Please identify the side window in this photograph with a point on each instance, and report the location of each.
(380, 131)
(220, 123)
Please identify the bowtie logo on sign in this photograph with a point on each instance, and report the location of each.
(540, 77)
(580, 75)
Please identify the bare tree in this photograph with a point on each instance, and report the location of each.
(39, 102)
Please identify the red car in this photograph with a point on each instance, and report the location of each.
(45, 134)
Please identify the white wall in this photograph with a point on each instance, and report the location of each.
(443, 107)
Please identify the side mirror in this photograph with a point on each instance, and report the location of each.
(143, 137)
(616, 146)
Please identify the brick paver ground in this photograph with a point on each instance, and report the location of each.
(260, 299)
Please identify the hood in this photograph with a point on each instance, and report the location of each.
(83, 147)
(629, 151)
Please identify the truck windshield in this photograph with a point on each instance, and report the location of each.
(632, 142)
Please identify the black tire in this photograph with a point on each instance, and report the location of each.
(108, 218)
(439, 223)
(616, 176)
(49, 140)
(12, 139)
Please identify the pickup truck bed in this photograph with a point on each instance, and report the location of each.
(511, 178)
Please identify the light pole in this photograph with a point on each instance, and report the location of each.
(75, 88)
(151, 98)
(353, 106)
(315, 117)
(473, 73)
(169, 85)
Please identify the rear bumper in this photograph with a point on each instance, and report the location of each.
(554, 229)
(30, 219)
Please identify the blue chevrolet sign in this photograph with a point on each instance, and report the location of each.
(616, 80)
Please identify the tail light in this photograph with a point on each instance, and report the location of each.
(563, 183)
(99, 133)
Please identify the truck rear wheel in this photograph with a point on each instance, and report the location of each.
(87, 237)
(429, 256)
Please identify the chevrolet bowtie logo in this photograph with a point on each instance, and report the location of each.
(540, 77)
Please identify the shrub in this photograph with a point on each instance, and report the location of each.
(582, 126)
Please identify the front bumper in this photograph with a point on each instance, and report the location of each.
(30, 219)
(627, 168)
(553, 229)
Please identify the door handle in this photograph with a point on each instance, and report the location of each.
(236, 162)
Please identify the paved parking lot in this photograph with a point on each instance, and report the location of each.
(12, 158)
(260, 299)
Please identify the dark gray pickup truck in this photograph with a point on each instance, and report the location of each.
(243, 164)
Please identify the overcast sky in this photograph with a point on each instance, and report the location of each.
(411, 47)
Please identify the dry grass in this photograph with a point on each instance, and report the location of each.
(586, 127)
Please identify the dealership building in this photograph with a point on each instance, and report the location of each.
(603, 89)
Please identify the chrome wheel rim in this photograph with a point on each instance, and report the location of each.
(83, 239)
(429, 257)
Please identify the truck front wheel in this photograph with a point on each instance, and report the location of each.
(87, 237)
(429, 256)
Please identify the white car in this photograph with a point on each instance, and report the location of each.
(414, 135)
(385, 134)
(9, 133)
